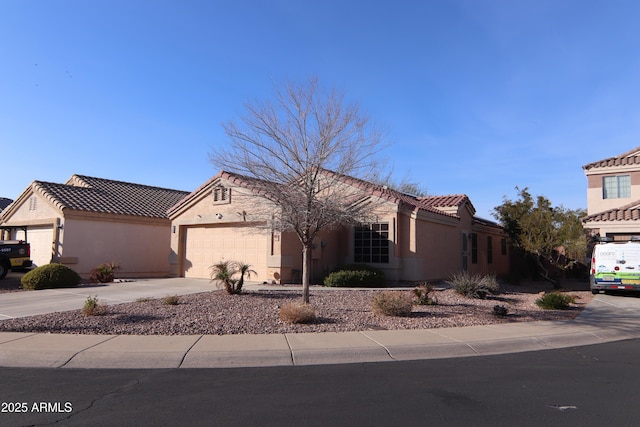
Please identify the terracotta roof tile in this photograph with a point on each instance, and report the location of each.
(89, 194)
(452, 200)
(404, 200)
(631, 157)
(630, 212)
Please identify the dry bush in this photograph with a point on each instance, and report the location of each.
(92, 307)
(171, 300)
(392, 303)
(297, 312)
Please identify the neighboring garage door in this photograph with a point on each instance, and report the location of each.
(41, 241)
(205, 246)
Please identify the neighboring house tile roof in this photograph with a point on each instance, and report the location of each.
(4, 202)
(631, 157)
(89, 194)
(629, 212)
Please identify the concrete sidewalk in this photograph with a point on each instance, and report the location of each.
(606, 319)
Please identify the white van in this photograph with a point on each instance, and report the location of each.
(615, 266)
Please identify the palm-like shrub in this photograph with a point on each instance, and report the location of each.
(104, 273)
(474, 286)
(230, 274)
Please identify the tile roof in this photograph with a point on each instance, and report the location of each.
(408, 201)
(630, 212)
(4, 202)
(89, 194)
(631, 157)
(453, 200)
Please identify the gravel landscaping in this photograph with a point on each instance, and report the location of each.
(257, 312)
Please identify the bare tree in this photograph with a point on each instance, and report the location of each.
(300, 146)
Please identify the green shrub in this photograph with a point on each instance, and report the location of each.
(476, 286)
(555, 301)
(423, 295)
(356, 276)
(92, 307)
(104, 273)
(50, 276)
(297, 312)
(392, 303)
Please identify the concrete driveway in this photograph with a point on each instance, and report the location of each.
(30, 303)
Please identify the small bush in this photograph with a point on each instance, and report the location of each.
(392, 303)
(104, 273)
(476, 286)
(555, 301)
(422, 295)
(92, 307)
(356, 276)
(500, 310)
(171, 300)
(50, 276)
(145, 299)
(297, 312)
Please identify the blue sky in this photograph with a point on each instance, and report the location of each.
(478, 97)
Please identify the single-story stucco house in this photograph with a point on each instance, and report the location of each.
(413, 238)
(88, 221)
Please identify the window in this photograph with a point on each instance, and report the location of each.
(503, 246)
(220, 195)
(372, 243)
(474, 248)
(489, 250)
(616, 187)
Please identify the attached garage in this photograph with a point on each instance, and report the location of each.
(207, 245)
(89, 221)
(42, 241)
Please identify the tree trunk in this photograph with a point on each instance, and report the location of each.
(306, 268)
(545, 272)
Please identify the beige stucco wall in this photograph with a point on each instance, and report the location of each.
(140, 248)
(595, 201)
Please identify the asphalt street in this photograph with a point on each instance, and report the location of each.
(577, 386)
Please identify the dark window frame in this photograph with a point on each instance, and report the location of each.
(371, 243)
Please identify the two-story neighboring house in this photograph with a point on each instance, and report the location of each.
(613, 196)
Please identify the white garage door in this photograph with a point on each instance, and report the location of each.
(41, 241)
(205, 246)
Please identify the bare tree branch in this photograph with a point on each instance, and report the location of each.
(299, 147)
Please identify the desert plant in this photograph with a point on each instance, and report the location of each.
(423, 295)
(297, 312)
(230, 274)
(104, 273)
(555, 301)
(500, 310)
(93, 307)
(474, 286)
(356, 276)
(144, 299)
(392, 303)
(50, 276)
(171, 300)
